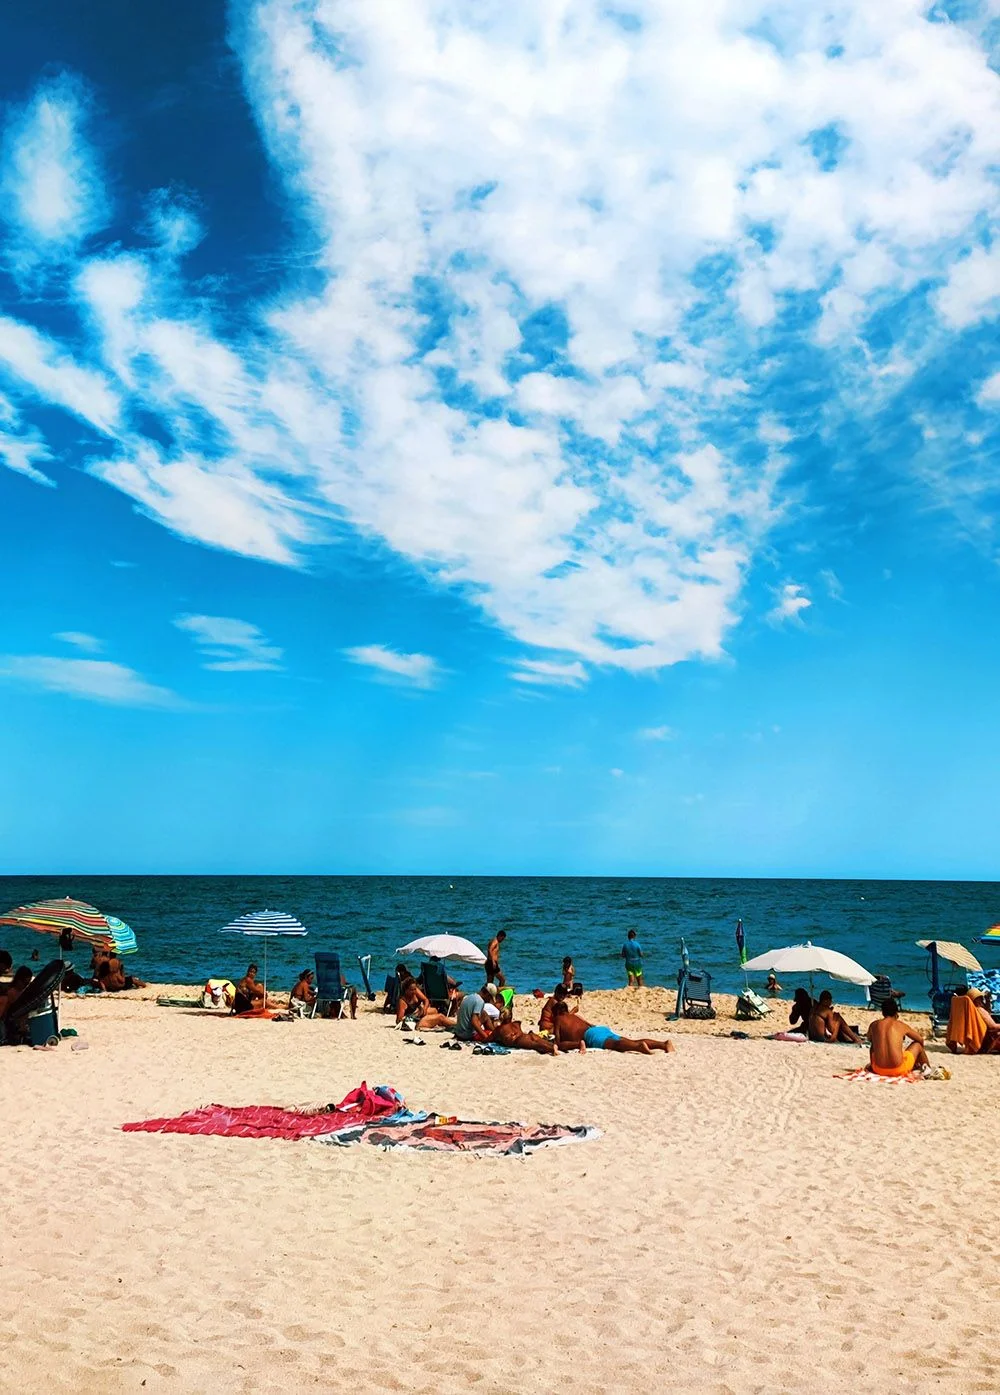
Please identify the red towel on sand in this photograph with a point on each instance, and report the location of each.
(270, 1121)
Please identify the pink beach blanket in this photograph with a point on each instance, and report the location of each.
(864, 1074)
(269, 1121)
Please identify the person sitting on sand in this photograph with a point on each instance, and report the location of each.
(572, 1031)
(551, 1009)
(15, 1028)
(569, 973)
(112, 978)
(802, 1010)
(972, 1029)
(827, 1025)
(772, 985)
(415, 1005)
(473, 1024)
(6, 966)
(303, 996)
(890, 1054)
(249, 993)
(513, 1035)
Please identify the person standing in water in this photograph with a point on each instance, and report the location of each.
(632, 954)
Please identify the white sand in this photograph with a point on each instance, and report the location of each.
(747, 1223)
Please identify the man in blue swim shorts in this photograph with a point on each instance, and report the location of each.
(571, 1031)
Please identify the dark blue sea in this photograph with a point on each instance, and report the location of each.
(178, 920)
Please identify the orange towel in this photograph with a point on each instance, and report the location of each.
(966, 1028)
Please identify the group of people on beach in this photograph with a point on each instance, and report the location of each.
(107, 975)
(895, 1047)
(486, 1016)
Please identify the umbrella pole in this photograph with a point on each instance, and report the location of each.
(265, 971)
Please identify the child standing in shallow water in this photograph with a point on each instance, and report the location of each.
(632, 954)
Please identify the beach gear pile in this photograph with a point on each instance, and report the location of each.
(378, 1117)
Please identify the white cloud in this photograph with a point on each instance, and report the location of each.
(790, 601)
(52, 192)
(616, 773)
(230, 646)
(418, 670)
(79, 640)
(989, 393)
(94, 679)
(571, 451)
(656, 734)
(22, 448)
(548, 673)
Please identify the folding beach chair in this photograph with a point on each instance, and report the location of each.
(391, 993)
(941, 1011)
(329, 988)
(881, 991)
(694, 994)
(751, 1007)
(37, 1007)
(434, 982)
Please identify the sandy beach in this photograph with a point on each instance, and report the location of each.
(744, 1218)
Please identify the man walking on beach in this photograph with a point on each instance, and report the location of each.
(632, 954)
(493, 971)
(890, 1054)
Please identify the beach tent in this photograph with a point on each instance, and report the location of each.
(811, 959)
(443, 947)
(74, 920)
(265, 925)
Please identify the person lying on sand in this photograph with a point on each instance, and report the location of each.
(827, 1025)
(890, 1054)
(572, 1031)
(512, 1034)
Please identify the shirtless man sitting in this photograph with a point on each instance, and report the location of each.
(890, 1055)
(827, 1025)
(571, 1030)
(512, 1034)
(249, 993)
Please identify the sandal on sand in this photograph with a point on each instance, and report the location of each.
(414, 1041)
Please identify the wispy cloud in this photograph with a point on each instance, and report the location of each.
(790, 601)
(22, 448)
(416, 670)
(989, 393)
(230, 646)
(79, 640)
(548, 673)
(656, 734)
(96, 680)
(503, 369)
(834, 586)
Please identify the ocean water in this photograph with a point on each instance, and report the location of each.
(178, 920)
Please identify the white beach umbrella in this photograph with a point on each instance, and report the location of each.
(811, 959)
(265, 925)
(444, 947)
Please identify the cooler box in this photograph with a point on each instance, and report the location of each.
(43, 1026)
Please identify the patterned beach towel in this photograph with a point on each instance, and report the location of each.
(462, 1136)
(270, 1121)
(869, 1076)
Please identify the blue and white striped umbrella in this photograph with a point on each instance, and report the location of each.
(266, 925)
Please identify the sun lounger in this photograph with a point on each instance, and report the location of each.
(751, 1007)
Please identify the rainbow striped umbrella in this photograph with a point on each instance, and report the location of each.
(83, 922)
(990, 936)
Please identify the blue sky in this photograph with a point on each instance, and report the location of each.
(528, 437)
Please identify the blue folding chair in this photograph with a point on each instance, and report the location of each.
(330, 987)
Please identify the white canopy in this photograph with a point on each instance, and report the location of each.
(444, 947)
(811, 959)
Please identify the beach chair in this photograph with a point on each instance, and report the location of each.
(365, 965)
(941, 1010)
(751, 1007)
(329, 988)
(38, 1007)
(694, 994)
(434, 982)
(391, 993)
(881, 991)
